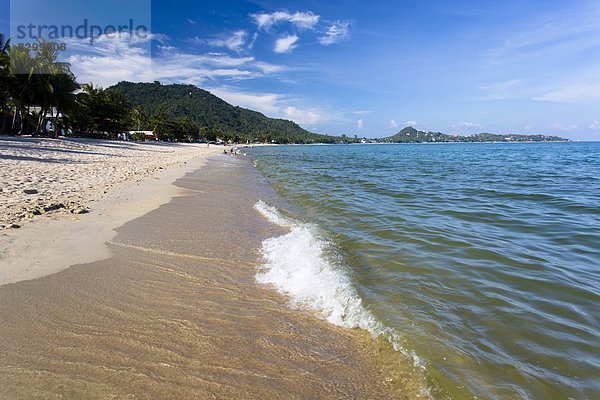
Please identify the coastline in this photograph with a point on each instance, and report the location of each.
(54, 241)
(175, 312)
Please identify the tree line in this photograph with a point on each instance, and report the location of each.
(36, 88)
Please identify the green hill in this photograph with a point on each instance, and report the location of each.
(209, 112)
(412, 135)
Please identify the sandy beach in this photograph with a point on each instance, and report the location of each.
(170, 308)
(62, 199)
(47, 176)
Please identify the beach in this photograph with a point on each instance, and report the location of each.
(252, 200)
(77, 191)
(43, 176)
(168, 305)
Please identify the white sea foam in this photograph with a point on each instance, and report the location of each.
(297, 266)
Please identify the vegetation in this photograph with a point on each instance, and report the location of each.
(206, 116)
(412, 135)
(33, 87)
(4, 80)
(99, 113)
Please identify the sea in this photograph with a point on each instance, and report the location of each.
(480, 262)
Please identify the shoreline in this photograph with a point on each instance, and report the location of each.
(49, 243)
(176, 311)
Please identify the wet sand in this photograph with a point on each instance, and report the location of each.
(176, 313)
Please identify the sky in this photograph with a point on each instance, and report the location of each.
(365, 68)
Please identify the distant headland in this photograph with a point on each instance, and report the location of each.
(412, 135)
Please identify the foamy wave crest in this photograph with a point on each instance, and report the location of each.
(298, 267)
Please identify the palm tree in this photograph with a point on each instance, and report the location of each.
(104, 111)
(64, 99)
(139, 117)
(38, 80)
(4, 81)
(54, 84)
(80, 118)
(41, 81)
(159, 122)
(21, 85)
(4, 45)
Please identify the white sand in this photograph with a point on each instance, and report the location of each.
(115, 181)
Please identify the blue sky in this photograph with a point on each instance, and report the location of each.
(365, 68)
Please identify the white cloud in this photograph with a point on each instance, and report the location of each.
(336, 32)
(191, 21)
(329, 32)
(302, 20)
(251, 44)
(269, 68)
(195, 40)
(553, 34)
(360, 124)
(234, 43)
(563, 127)
(412, 123)
(393, 124)
(528, 127)
(595, 125)
(503, 90)
(267, 103)
(285, 44)
(468, 124)
(550, 57)
(583, 93)
(272, 105)
(112, 60)
(307, 117)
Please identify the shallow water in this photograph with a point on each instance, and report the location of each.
(176, 313)
(481, 261)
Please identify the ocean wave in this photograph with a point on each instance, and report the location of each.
(299, 266)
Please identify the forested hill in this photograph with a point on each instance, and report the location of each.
(197, 110)
(412, 135)
(213, 114)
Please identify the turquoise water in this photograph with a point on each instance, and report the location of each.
(482, 259)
